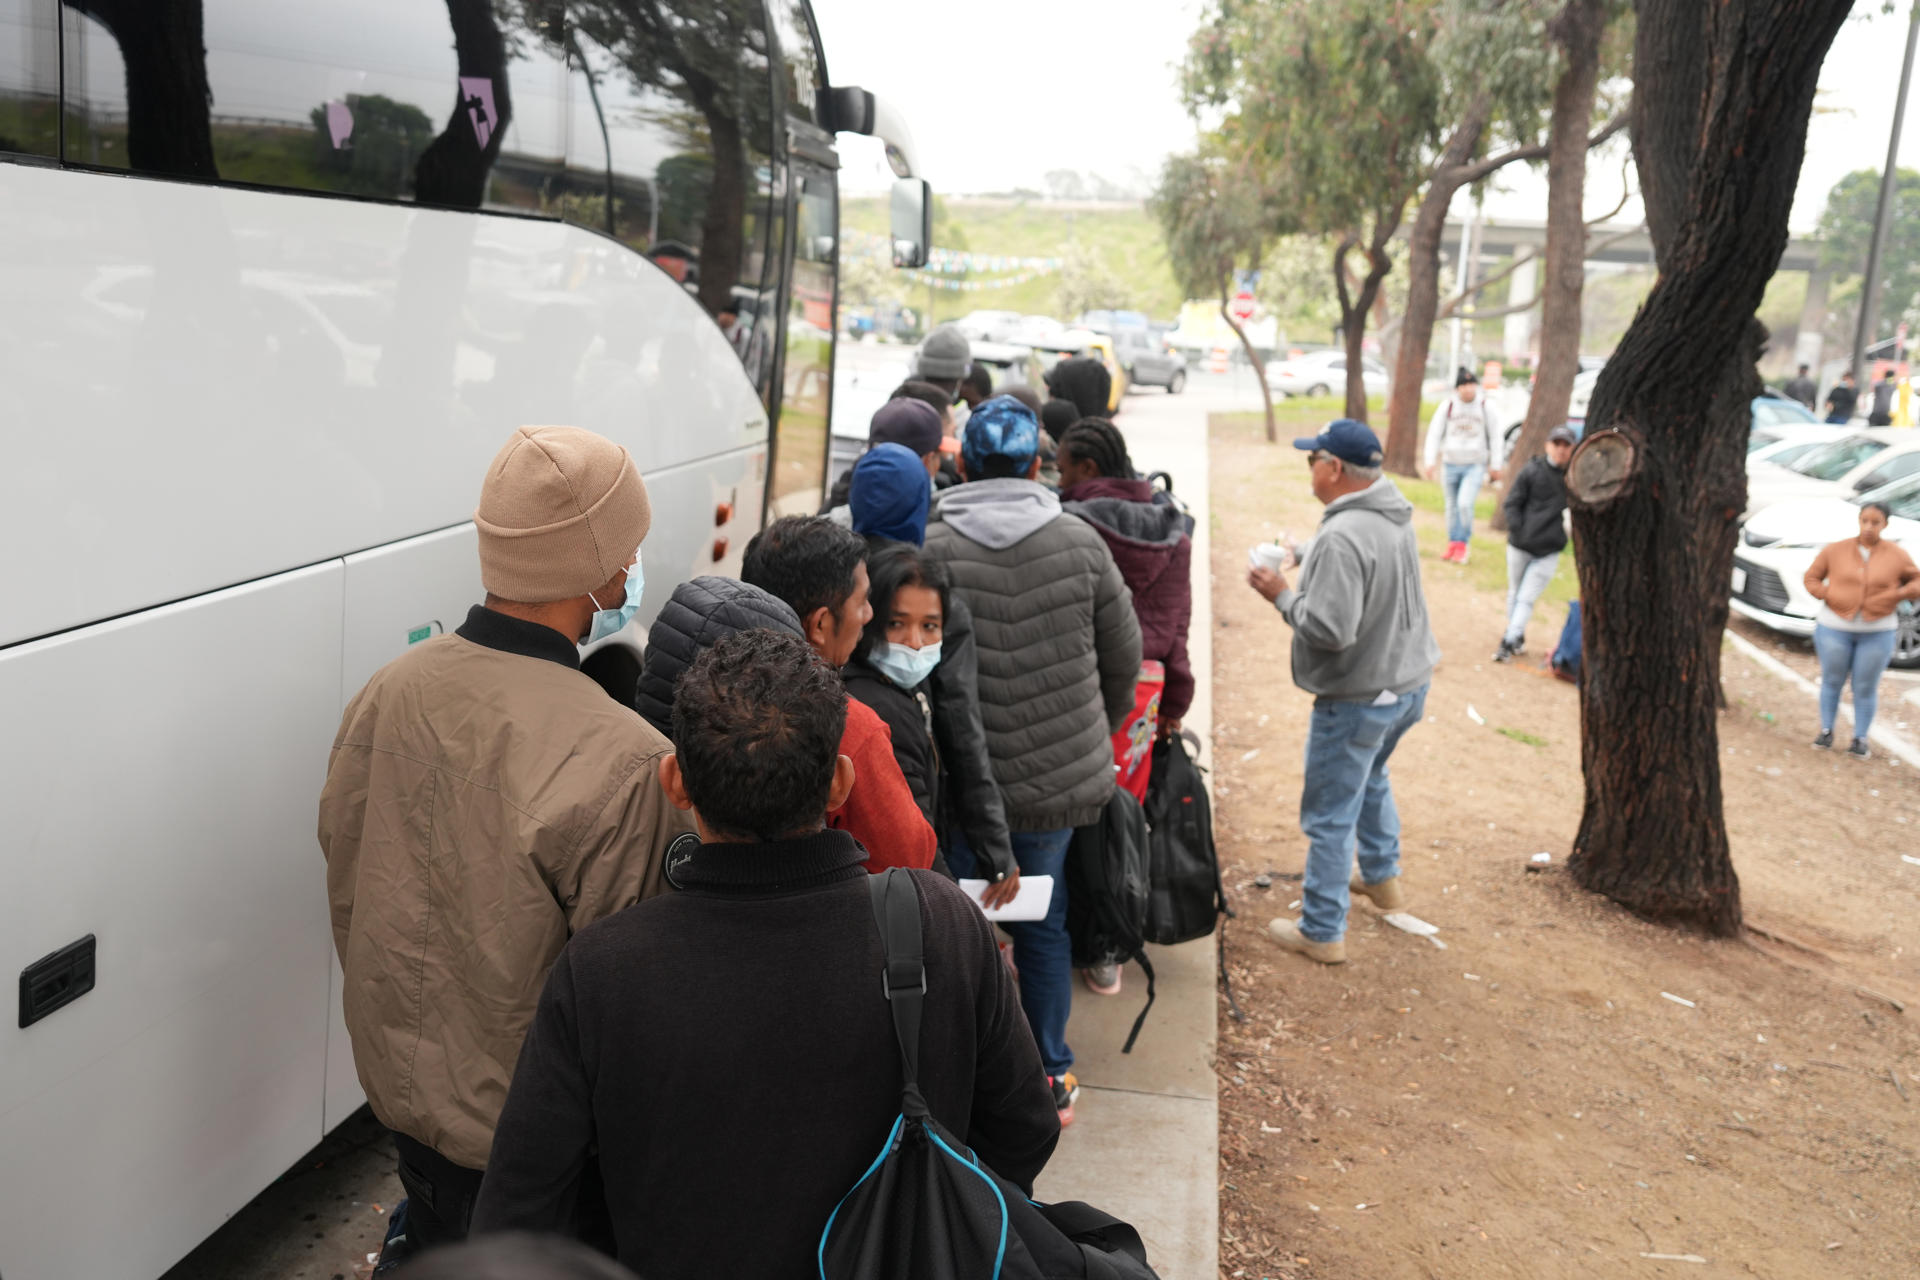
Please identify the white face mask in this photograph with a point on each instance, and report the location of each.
(608, 622)
(903, 665)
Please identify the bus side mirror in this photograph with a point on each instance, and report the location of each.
(912, 222)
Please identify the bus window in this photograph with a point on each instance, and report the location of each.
(800, 455)
(801, 77)
(387, 99)
(29, 77)
(671, 142)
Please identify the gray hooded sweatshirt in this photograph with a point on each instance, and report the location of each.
(1359, 615)
(1059, 647)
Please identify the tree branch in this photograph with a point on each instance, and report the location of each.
(1471, 173)
(1347, 244)
(1516, 308)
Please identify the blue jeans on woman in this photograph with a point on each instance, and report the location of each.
(1461, 482)
(1860, 655)
(1346, 805)
(1042, 952)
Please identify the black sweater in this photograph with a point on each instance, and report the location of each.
(729, 1052)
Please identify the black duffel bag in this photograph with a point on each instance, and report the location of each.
(928, 1208)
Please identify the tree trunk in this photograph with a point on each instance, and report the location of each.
(1577, 30)
(1722, 98)
(169, 103)
(1423, 292)
(454, 169)
(1354, 306)
(1259, 368)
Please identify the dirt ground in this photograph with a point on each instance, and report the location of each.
(1526, 1102)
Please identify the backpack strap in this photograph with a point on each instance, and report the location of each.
(896, 912)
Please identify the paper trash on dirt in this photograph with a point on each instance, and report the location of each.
(1674, 1257)
(1907, 857)
(1668, 995)
(1410, 924)
(1475, 716)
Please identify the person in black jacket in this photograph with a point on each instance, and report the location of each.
(728, 1050)
(888, 503)
(1536, 533)
(892, 668)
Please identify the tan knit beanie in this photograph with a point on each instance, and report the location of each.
(560, 514)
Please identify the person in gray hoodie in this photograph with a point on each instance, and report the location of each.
(1059, 651)
(1362, 646)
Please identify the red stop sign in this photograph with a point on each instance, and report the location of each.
(1241, 306)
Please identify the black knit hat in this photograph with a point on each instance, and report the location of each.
(1466, 376)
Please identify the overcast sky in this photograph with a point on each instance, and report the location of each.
(1001, 91)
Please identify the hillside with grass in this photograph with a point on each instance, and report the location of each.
(1111, 255)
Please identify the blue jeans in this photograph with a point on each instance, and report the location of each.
(1347, 798)
(1862, 655)
(1527, 580)
(1041, 950)
(1462, 482)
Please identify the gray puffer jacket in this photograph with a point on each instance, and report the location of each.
(1059, 648)
(701, 613)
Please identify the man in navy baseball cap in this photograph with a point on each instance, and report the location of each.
(1363, 648)
(1346, 440)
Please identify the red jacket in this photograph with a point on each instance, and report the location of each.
(880, 811)
(1150, 544)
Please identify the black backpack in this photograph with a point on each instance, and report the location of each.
(1108, 883)
(927, 1207)
(1186, 898)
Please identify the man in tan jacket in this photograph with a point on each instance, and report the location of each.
(484, 801)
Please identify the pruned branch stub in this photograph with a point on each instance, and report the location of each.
(1604, 468)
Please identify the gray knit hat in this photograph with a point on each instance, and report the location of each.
(946, 355)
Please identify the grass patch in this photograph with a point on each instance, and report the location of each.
(1521, 735)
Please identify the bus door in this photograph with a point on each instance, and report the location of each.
(806, 383)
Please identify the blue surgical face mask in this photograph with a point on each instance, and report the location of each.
(905, 666)
(610, 621)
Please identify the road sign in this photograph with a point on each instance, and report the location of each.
(1241, 306)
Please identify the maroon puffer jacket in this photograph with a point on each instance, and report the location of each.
(1150, 544)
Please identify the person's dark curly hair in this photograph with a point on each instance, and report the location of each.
(1098, 441)
(757, 721)
(808, 561)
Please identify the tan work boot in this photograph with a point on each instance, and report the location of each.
(1287, 934)
(1388, 895)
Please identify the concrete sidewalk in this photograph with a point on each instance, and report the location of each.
(1145, 1143)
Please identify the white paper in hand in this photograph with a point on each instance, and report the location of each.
(1030, 903)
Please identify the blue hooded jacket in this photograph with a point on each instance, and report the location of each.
(890, 494)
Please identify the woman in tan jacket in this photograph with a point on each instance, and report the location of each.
(1860, 582)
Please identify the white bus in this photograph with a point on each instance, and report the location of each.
(276, 281)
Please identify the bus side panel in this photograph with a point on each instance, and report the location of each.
(158, 780)
(221, 384)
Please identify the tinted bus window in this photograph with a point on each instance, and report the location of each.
(389, 99)
(800, 73)
(807, 378)
(670, 147)
(29, 77)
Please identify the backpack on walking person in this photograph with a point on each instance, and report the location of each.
(1109, 881)
(1185, 898)
(927, 1207)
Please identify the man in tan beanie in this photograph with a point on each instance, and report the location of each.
(485, 801)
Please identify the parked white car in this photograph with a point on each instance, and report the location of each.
(1322, 373)
(1858, 461)
(1783, 446)
(1777, 546)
